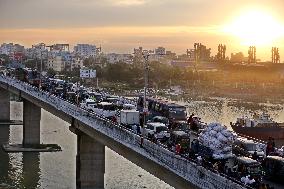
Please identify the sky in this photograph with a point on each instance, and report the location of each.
(121, 25)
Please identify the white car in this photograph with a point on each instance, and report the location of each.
(88, 104)
(281, 151)
(156, 130)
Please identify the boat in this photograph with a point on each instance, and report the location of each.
(260, 126)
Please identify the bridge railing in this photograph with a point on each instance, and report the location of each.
(189, 170)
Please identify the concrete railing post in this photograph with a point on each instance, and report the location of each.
(4, 105)
(90, 168)
(31, 119)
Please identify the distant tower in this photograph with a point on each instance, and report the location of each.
(197, 52)
(221, 55)
(275, 55)
(252, 54)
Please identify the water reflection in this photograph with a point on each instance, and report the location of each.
(57, 170)
(31, 170)
(228, 110)
(4, 157)
(20, 170)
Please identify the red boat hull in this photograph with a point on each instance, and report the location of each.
(262, 133)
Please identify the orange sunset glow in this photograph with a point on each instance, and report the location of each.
(120, 28)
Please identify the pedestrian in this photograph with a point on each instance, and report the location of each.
(178, 149)
(190, 119)
(273, 145)
(138, 129)
(199, 160)
(254, 155)
(229, 172)
(269, 146)
(216, 166)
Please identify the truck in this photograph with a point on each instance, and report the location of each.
(130, 118)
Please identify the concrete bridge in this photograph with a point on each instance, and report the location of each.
(95, 132)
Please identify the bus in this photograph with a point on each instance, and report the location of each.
(159, 107)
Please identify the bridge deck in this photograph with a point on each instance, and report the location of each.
(166, 165)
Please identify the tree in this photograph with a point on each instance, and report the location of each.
(89, 62)
(4, 59)
(31, 63)
(51, 72)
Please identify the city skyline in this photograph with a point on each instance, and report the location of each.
(119, 26)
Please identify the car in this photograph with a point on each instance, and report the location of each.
(245, 147)
(280, 151)
(160, 119)
(157, 131)
(88, 104)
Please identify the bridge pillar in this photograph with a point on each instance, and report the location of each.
(90, 168)
(4, 105)
(31, 123)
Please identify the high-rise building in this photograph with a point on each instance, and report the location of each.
(86, 50)
(10, 48)
(37, 51)
(160, 51)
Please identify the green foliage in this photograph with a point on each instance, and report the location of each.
(89, 62)
(5, 59)
(32, 63)
(51, 72)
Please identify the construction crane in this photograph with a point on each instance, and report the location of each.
(252, 54)
(275, 55)
(221, 55)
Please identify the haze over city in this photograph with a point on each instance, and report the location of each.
(121, 25)
(156, 94)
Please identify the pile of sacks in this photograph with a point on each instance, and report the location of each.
(219, 139)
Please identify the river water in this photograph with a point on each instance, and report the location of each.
(57, 170)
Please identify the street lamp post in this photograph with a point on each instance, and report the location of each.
(146, 70)
(40, 61)
(40, 69)
(145, 110)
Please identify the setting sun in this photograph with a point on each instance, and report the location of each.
(256, 28)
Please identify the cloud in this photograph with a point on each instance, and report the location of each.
(127, 3)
